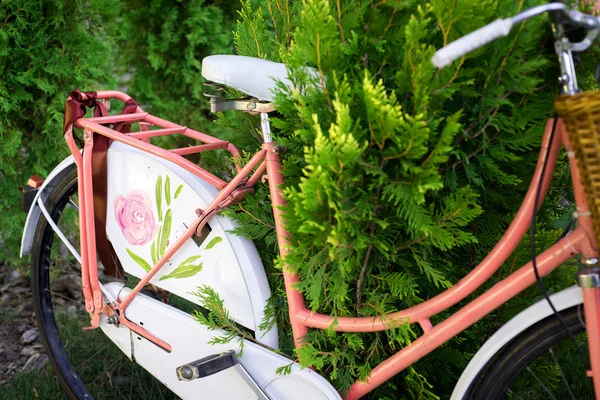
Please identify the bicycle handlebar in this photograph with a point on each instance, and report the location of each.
(472, 41)
(502, 27)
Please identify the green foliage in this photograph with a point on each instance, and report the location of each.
(161, 48)
(217, 318)
(400, 177)
(47, 49)
(252, 35)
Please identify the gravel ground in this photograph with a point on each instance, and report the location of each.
(20, 345)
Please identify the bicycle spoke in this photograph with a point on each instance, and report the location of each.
(100, 374)
(71, 344)
(73, 204)
(562, 375)
(137, 376)
(152, 391)
(52, 293)
(118, 375)
(89, 358)
(541, 383)
(160, 391)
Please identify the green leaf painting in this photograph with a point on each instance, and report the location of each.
(213, 242)
(168, 190)
(157, 250)
(160, 244)
(139, 260)
(153, 252)
(184, 270)
(189, 267)
(159, 197)
(190, 260)
(166, 232)
(178, 191)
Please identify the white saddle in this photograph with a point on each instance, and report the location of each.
(253, 76)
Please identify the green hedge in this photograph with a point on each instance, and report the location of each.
(153, 50)
(47, 49)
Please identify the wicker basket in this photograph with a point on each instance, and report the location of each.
(581, 114)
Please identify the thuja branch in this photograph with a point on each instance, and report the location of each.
(321, 73)
(474, 153)
(492, 110)
(339, 10)
(423, 237)
(361, 277)
(272, 16)
(218, 318)
(255, 218)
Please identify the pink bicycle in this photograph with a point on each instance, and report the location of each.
(148, 226)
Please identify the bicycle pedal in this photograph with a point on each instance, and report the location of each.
(207, 366)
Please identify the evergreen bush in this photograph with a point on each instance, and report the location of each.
(152, 50)
(47, 49)
(400, 177)
(161, 47)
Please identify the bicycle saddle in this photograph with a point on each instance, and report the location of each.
(253, 76)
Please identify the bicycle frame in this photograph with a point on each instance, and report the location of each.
(580, 241)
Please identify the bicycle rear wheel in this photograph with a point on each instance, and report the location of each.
(87, 363)
(540, 363)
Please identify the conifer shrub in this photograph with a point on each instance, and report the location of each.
(400, 177)
(47, 49)
(161, 47)
(151, 50)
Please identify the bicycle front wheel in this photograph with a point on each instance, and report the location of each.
(87, 363)
(540, 363)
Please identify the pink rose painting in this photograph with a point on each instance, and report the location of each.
(135, 218)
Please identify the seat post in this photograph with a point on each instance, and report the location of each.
(265, 127)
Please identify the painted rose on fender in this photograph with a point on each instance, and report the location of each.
(135, 218)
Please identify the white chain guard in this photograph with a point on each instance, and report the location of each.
(189, 343)
(230, 264)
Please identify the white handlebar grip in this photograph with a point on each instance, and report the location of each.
(470, 42)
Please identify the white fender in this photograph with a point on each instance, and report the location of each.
(227, 263)
(562, 300)
(34, 212)
(233, 268)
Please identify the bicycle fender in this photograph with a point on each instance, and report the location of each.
(151, 202)
(34, 212)
(562, 300)
(245, 292)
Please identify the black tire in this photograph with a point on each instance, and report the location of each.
(533, 366)
(58, 323)
(40, 281)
